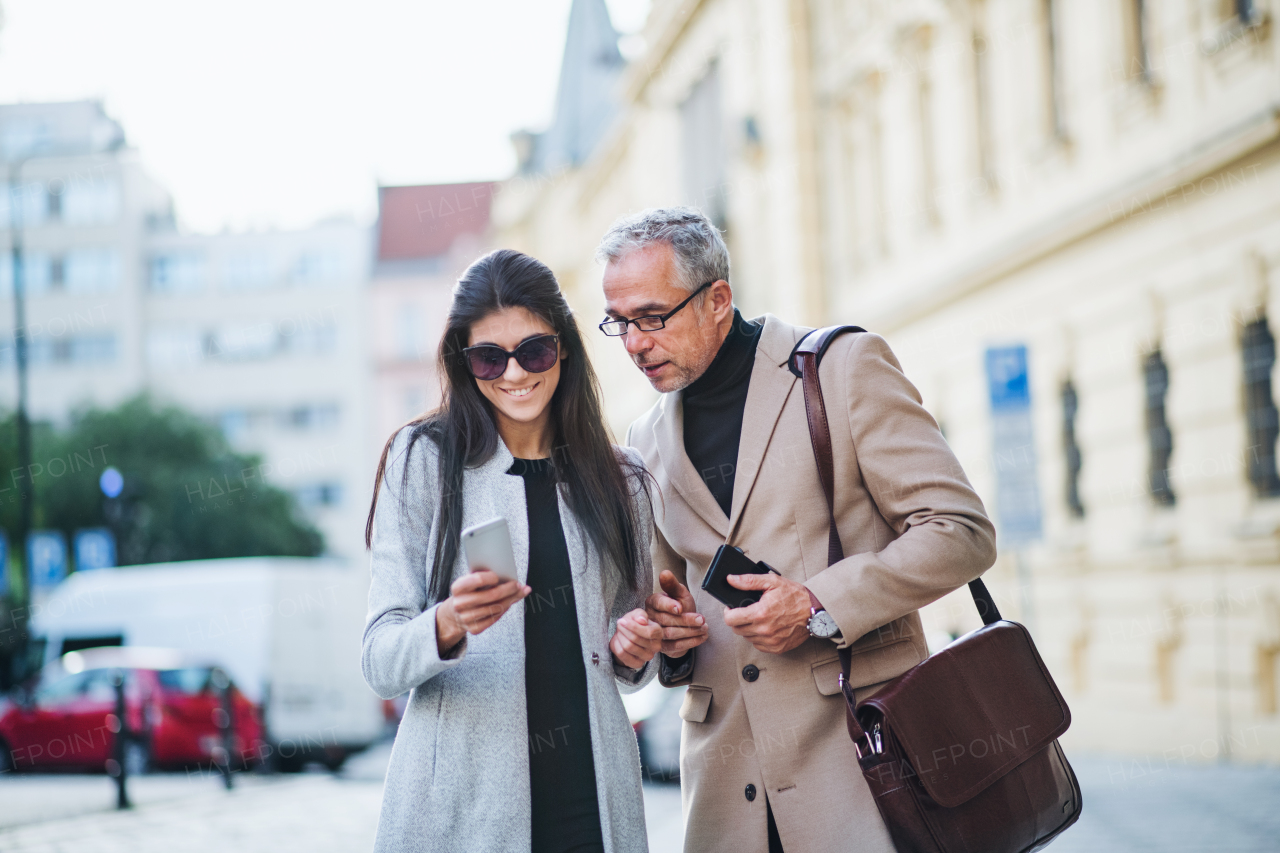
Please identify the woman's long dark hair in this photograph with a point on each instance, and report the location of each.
(595, 477)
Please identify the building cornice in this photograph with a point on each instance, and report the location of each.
(667, 23)
(910, 298)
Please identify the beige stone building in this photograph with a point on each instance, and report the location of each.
(1095, 181)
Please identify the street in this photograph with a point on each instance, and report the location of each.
(1129, 808)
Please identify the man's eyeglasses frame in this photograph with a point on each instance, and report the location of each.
(620, 327)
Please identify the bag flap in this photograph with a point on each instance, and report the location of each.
(972, 712)
(697, 701)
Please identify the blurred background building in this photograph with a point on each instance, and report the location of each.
(426, 236)
(1063, 217)
(262, 334)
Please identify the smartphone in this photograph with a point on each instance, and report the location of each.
(488, 546)
(730, 560)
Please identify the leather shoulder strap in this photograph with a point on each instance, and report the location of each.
(804, 362)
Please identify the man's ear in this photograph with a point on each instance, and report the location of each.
(721, 296)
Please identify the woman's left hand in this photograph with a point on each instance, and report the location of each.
(637, 640)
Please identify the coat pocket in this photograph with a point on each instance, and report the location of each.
(697, 702)
(871, 666)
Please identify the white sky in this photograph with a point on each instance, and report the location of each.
(258, 113)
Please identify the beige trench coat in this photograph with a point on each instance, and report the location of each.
(915, 530)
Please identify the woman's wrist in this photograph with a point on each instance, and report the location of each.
(449, 632)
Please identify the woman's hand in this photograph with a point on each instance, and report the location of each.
(475, 602)
(636, 641)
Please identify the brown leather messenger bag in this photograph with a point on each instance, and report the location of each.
(960, 752)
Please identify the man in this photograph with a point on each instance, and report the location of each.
(766, 762)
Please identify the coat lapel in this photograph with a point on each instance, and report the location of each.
(668, 433)
(771, 387)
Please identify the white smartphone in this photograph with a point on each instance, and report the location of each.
(488, 546)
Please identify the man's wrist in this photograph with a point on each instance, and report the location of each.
(825, 625)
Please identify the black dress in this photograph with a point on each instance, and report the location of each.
(562, 776)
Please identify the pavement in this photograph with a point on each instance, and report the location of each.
(1129, 807)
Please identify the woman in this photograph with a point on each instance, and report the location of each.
(515, 737)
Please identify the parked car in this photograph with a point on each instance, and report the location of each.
(655, 716)
(286, 629)
(172, 708)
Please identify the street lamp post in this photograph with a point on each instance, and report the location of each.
(23, 423)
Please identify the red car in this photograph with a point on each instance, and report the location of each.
(172, 708)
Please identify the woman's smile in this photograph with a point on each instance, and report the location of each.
(521, 392)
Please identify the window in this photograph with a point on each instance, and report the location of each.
(1071, 449)
(702, 147)
(313, 339)
(1159, 437)
(1243, 11)
(56, 269)
(54, 203)
(234, 424)
(91, 202)
(29, 200)
(1261, 417)
(313, 417)
(1137, 38)
(92, 270)
(1053, 71)
(21, 138)
(247, 271)
(317, 267)
(982, 97)
(178, 272)
(320, 494)
(926, 130)
(244, 341)
(92, 349)
(174, 348)
(37, 270)
(409, 333)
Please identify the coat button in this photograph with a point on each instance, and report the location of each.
(750, 672)
(751, 793)
(595, 657)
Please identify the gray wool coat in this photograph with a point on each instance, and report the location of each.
(459, 773)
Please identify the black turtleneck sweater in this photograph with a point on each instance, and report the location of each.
(713, 407)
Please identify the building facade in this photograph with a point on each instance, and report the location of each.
(426, 236)
(1091, 184)
(263, 334)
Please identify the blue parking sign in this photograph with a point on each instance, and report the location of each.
(95, 548)
(47, 557)
(4, 563)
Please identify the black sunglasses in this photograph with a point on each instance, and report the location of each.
(536, 355)
(650, 323)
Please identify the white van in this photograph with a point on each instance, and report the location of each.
(286, 629)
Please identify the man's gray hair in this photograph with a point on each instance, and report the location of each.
(700, 253)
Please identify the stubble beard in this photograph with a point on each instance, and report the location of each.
(684, 375)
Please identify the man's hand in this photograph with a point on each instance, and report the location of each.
(778, 622)
(674, 609)
(636, 641)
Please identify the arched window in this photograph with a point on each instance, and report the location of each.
(1261, 417)
(1159, 437)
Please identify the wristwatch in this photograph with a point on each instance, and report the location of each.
(821, 624)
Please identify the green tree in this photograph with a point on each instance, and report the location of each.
(187, 495)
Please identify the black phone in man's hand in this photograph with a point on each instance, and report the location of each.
(729, 560)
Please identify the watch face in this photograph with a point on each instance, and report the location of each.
(822, 625)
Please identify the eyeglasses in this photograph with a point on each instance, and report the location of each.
(651, 323)
(536, 355)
